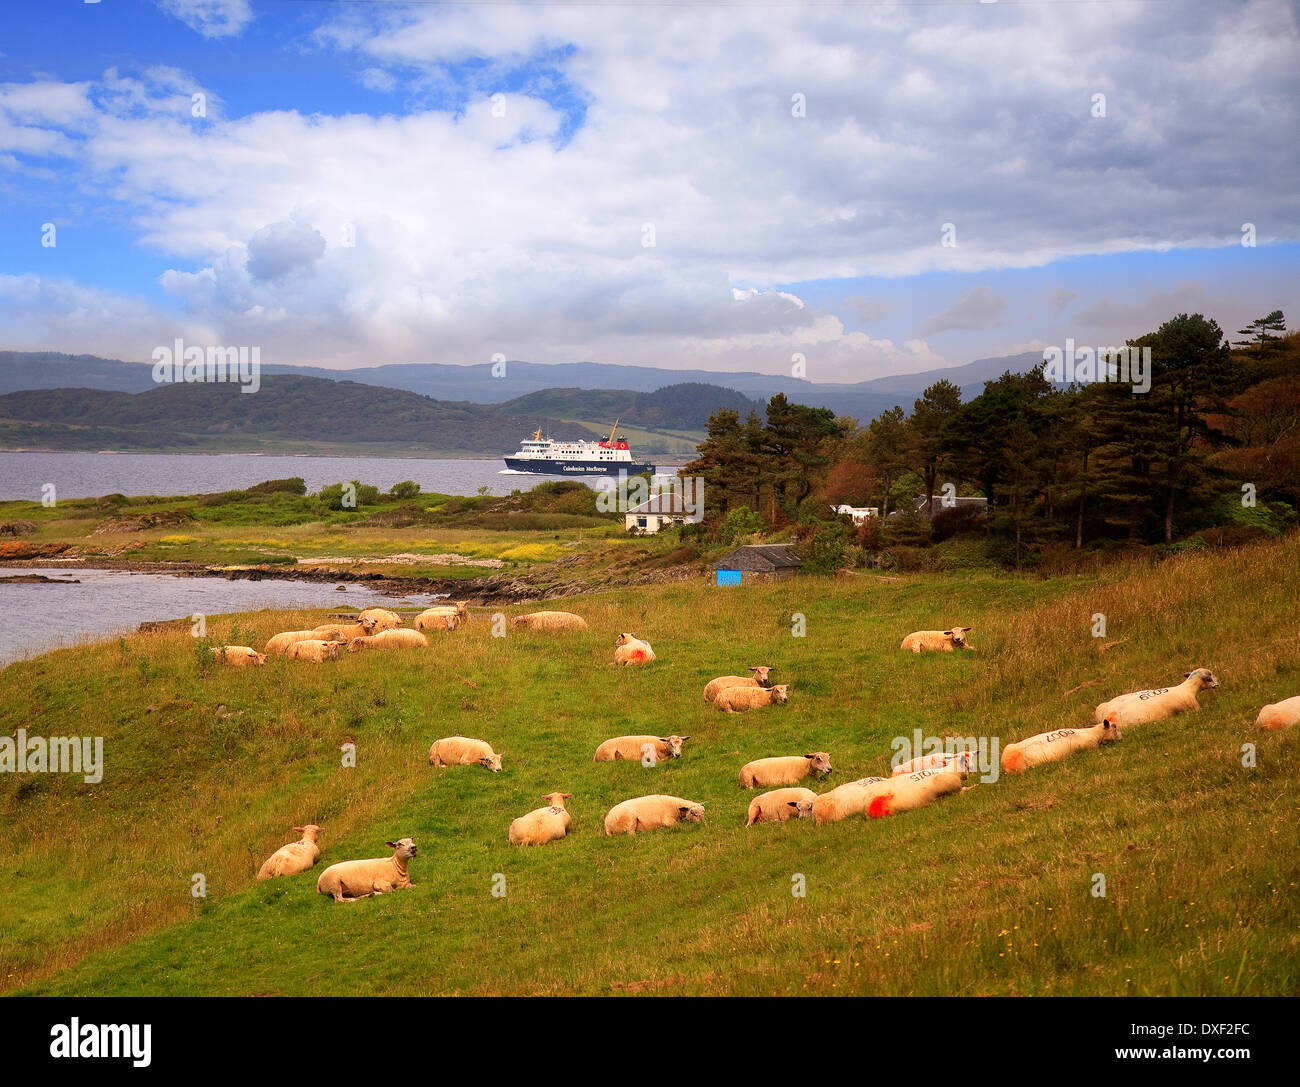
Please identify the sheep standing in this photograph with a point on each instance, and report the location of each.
(1279, 715)
(638, 747)
(550, 622)
(778, 805)
(629, 649)
(784, 769)
(1051, 746)
(651, 813)
(1141, 707)
(383, 618)
(911, 792)
(295, 857)
(463, 751)
(939, 641)
(349, 881)
(239, 656)
(318, 651)
(542, 825)
(742, 699)
(758, 679)
(844, 800)
(405, 638)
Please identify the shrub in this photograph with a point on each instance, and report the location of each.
(408, 488)
(293, 485)
(742, 521)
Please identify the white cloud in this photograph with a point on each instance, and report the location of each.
(211, 18)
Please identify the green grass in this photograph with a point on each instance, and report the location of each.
(986, 892)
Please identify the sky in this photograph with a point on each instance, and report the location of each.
(842, 190)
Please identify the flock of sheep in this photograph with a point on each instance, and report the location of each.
(912, 785)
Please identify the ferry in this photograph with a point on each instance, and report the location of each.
(604, 458)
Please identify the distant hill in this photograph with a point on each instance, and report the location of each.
(476, 384)
(316, 413)
(675, 407)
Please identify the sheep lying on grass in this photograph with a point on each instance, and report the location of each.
(911, 792)
(295, 857)
(542, 825)
(382, 617)
(318, 651)
(758, 679)
(238, 656)
(1051, 746)
(778, 805)
(629, 649)
(549, 621)
(1279, 715)
(940, 641)
(349, 881)
(1140, 707)
(651, 813)
(405, 638)
(784, 769)
(345, 632)
(638, 747)
(280, 643)
(963, 762)
(742, 699)
(845, 800)
(463, 751)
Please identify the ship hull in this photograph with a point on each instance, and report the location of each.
(560, 467)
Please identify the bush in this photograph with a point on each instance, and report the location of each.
(408, 488)
(742, 521)
(825, 552)
(365, 494)
(293, 485)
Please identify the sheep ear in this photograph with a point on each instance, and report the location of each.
(947, 633)
(685, 738)
(683, 807)
(1187, 675)
(792, 803)
(391, 845)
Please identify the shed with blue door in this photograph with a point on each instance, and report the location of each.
(757, 562)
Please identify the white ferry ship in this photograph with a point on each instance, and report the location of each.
(548, 457)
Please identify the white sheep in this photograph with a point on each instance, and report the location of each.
(845, 800)
(295, 857)
(1279, 715)
(441, 618)
(961, 762)
(941, 641)
(629, 649)
(318, 651)
(778, 805)
(239, 656)
(542, 825)
(463, 751)
(345, 632)
(383, 618)
(741, 699)
(549, 621)
(651, 813)
(638, 747)
(1050, 746)
(784, 769)
(758, 679)
(913, 791)
(349, 881)
(280, 643)
(1140, 707)
(403, 638)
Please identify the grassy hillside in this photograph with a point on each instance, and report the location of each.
(987, 892)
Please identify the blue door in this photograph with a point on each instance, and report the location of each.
(728, 577)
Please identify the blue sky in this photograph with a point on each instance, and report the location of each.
(379, 183)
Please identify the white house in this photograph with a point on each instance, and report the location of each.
(666, 508)
(858, 513)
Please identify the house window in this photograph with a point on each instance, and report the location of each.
(640, 522)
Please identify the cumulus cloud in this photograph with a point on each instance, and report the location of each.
(211, 18)
(278, 249)
(978, 308)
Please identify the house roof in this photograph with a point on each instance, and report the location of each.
(760, 557)
(664, 502)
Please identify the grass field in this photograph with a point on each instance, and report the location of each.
(989, 892)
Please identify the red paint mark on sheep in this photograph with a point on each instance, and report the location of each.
(878, 807)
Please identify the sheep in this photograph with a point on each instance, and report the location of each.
(651, 813)
(549, 621)
(629, 649)
(1279, 715)
(638, 747)
(345, 632)
(911, 792)
(384, 619)
(778, 805)
(740, 699)
(961, 762)
(784, 769)
(845, 800)
(1050, 746)
(239, 656)
(758, 679)
(1140, 707)
(281, 642)
(437, 619)
(405, 638)
(463, 751)
(295, 857)
(942, 641)
(318, 651)
(542, 825)
(349, 881)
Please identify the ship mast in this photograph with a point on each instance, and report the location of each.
(611, 432)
